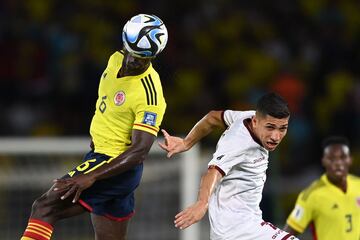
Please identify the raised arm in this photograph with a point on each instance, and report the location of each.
(197, 211)
(212, 120)
(134, 155)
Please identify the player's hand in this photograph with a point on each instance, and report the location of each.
(172, 144)
(73, 185)
(190, 215)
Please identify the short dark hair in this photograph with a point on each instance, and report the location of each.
(332, 140)
(274, 105)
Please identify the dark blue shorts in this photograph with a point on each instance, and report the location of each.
(112, 197)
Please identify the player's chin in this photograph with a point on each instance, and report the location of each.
(339, 173)
(270, 146)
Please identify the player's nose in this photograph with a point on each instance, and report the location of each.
(275, 136)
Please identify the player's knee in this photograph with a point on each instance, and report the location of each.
(41, 209)
(38, 204)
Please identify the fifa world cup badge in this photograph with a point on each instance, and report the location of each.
(119, 98)
(149, 118)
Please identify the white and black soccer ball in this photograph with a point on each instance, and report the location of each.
(144, 35)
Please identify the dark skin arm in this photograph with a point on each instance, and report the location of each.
(288, 229)
(135, 155)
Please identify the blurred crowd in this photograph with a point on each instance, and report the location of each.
(221, 54)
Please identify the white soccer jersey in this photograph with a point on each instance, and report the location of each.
(234, 210)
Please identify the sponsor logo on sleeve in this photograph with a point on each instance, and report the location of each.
(220, 157)
(149, 118)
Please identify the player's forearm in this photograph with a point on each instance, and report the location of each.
(290, 230)
(120, 164)
(133, 156)
(208, 183)
(211, 121)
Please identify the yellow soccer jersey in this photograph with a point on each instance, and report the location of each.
(335, 214)
(124, 104)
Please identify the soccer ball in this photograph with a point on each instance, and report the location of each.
(144, 35)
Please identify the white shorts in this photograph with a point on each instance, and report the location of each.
(253, 231)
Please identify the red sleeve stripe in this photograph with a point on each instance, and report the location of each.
(217, 168)
(287, 236)
(146, 126)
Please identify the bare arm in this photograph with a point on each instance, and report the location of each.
(136, 154)
(197, 211)
(140, 146)
(290, 230)
(212, 120)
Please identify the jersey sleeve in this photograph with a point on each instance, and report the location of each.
(231, 116)
(223, 161)
(149, 118)
(302, 214)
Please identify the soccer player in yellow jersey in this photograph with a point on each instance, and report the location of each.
(129, 111)
(332, 203)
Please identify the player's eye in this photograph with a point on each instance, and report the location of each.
(283, 129)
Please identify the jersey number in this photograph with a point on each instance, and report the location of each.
(82, 167)
(349, 220)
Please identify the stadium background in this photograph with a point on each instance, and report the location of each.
(220, 55)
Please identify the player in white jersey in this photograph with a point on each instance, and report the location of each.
(232, 187)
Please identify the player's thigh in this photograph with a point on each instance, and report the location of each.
(106, 229)
(50, 207)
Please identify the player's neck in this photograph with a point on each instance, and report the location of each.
(339, 182)
(249, 125)
(130, 72)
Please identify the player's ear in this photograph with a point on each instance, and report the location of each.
(323, 161)
(254, 121)
(350, 160)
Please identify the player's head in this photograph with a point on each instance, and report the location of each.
(271, 120)
(133, 65)
(144, 36)
(336, 157)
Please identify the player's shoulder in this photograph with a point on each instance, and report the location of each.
(354, 179)
(231, 116)
(243, 114)
(152, 74)
(115, 58)
(312, 189)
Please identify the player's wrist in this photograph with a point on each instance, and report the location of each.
(203, 203)
(187, 144)
(94, 176)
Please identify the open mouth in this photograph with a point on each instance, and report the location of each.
(271, 144)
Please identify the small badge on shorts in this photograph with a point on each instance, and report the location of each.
(149, 118)
(119, 98)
